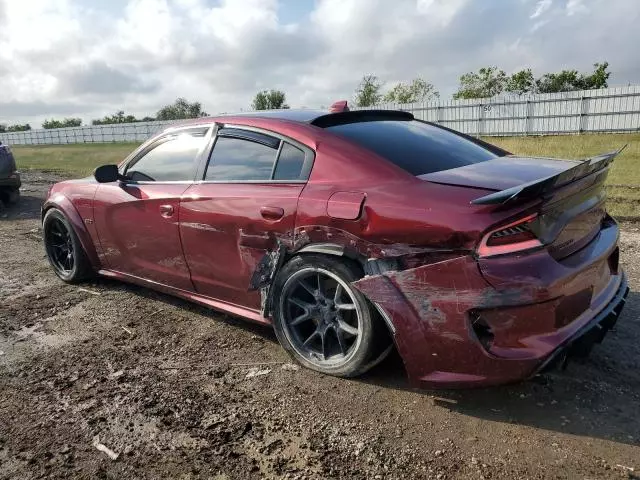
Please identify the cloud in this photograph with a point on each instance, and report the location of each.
(87, 58)
(543, 6)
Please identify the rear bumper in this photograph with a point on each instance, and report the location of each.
(12, 181)
(534, 308)
(581, 343)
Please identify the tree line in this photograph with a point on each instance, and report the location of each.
(485, 83)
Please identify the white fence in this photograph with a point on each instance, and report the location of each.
(121, 132)
(605, 110)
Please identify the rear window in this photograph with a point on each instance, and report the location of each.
(416, 147)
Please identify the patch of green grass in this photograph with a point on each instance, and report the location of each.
(623, 200)
(77, 160)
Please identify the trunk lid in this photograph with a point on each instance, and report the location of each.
(500, 173)
(571, 193)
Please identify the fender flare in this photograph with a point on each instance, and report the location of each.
(63, 204)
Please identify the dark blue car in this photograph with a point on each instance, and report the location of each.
(9, 177)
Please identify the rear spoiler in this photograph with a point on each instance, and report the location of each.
(537, 188)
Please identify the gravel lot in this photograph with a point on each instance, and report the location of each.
(178, 391)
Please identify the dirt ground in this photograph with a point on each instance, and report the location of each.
(166, 387)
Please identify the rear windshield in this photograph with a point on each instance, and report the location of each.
(414, 146)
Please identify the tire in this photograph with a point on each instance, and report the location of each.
(13, 195)
(65, 255)
(319, 332)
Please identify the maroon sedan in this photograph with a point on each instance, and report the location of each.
(352, 232)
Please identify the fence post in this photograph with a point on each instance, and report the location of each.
(527, 118)
(584, 112)
(480, 120)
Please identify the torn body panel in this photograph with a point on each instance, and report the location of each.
(463, 323)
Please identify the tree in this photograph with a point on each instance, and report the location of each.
(269, 100)
(181, 109)
(521, 82)
(119, 117)
(564, 81)
(67, 122)
(418, 90)
(570, 80)
(368, 92)
(487, 82)
(598, 79)
(3, 128)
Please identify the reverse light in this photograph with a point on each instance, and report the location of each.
(514, 237)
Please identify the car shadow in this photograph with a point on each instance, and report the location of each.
(596, 397)
(27, 208)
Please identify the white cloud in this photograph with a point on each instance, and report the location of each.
(576, 6)
(541, 7)
(68, 57)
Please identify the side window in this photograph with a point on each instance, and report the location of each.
(172, 160)
(290, 164)
(237, 159)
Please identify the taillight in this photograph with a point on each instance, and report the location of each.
(514, 237)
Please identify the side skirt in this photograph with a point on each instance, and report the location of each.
(248, 314)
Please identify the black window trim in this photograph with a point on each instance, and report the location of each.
(309, 154)
(163, 138)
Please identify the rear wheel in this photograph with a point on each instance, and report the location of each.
(64, 250)
(10, 196)
(324, 322)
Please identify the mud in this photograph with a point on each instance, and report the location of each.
(173, 390)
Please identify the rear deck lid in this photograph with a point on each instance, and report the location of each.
(571, 194)
(500, 173)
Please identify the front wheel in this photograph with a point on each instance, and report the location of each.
(323, 321)
(64, 250)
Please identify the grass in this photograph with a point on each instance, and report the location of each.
(78, 160)
(623, 182)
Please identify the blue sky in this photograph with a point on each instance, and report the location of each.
(90, 58)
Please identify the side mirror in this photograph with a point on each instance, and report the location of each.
(107, 174)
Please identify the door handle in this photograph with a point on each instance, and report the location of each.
(272, 213)
(166, 211)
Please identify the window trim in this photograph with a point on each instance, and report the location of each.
(163, 138)
(309, 155)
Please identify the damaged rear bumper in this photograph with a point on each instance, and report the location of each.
(464, 323)
(582, 342)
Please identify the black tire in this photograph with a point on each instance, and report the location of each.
(13, 195)
(69, 262)
(352, 354)
(9, 196)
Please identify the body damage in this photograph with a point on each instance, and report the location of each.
(456, 318)
(434, 308)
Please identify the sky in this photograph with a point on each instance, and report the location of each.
(91, 58)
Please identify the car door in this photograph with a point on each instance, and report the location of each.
(245, 205)
(137, 220)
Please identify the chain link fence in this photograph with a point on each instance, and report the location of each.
(588, 111)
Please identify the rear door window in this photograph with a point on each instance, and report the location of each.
(290, 164)
(416, 147)
(249, 156)
(238, 159)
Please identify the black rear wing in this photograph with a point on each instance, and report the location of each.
(537, 188)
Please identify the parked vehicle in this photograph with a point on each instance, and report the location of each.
(9, 176)
(354, 231)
